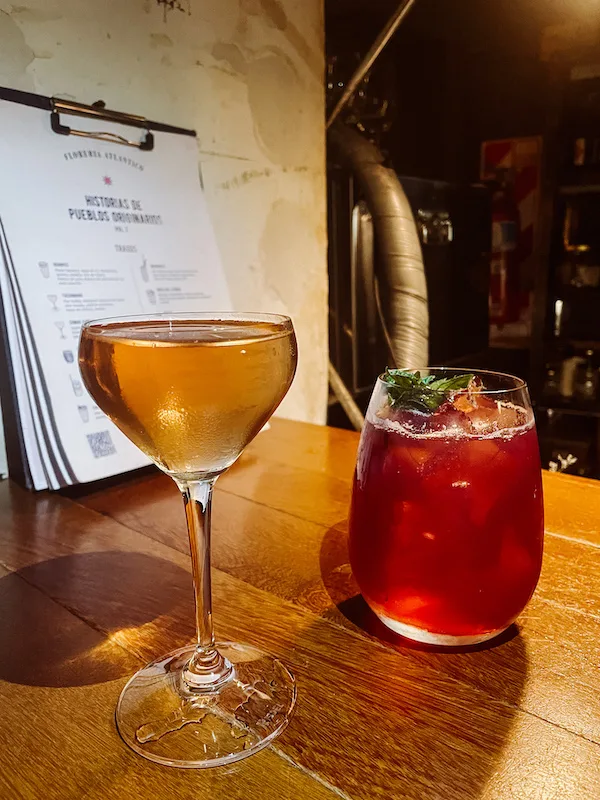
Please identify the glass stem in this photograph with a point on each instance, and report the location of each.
(207, 668)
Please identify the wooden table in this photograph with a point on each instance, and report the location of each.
(95, 584)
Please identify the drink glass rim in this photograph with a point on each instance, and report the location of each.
(191, 316)
(519, 383)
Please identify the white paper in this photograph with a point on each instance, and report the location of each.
(27, 380)
(3, 463)
(95, 230)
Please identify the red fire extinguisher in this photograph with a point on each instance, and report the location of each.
(504, 295)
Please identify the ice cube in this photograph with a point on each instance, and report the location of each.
(385, 412)
(420, 455)
(483, 420)
(481, 400)
(480, 454)
(471, 398)
(495, 475)
(408, 459)
(494, 416)
(449, 418)
(510, 416)
(463, 403)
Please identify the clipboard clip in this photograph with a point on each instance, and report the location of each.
(98, 111)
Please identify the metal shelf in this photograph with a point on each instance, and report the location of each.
(593, 410)
(586, 188)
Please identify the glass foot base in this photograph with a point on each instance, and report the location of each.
(442, 639)
(160, 718)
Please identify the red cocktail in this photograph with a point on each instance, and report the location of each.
(446, 526)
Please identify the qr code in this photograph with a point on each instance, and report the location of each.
(101, 444)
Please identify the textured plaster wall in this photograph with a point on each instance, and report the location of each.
(248, 76)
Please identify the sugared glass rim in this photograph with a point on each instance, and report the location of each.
(200, 316)
(519, 383)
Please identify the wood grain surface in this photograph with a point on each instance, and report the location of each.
(95, 583)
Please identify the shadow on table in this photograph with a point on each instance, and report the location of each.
(437, 702)
(105, 608)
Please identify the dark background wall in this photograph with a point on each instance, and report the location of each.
(457, 72)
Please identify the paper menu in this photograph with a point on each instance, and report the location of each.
(3, 461)
(90, 229)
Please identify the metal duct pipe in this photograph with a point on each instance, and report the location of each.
(400, 261)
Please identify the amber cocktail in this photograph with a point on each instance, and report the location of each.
(192, 391)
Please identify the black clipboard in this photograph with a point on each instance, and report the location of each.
(55, 106)
(15, 447)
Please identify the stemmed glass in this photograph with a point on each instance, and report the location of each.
(191, 391)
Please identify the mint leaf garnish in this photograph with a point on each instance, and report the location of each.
(410, 391)
(451, 384)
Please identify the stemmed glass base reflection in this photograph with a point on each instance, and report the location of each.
(162, 718)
